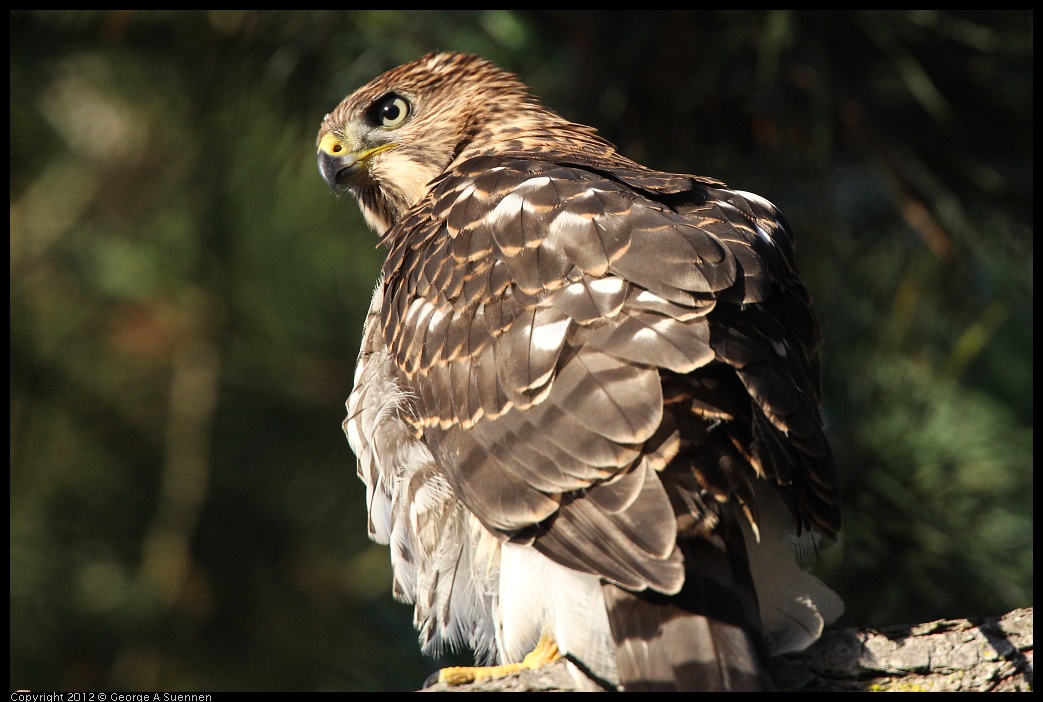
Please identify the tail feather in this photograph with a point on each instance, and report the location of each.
(706, 637)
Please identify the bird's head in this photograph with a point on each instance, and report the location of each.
(386, 141)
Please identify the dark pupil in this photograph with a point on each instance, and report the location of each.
(391, 112)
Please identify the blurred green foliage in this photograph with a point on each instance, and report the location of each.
(186, 300)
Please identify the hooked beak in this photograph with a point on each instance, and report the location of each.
(336, 170)
(339, 165)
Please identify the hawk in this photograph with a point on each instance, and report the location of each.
(586, 407)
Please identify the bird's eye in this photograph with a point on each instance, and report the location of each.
(391, 111)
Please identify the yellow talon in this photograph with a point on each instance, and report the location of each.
(545, 653)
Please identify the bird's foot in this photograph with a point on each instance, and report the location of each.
(545, 653)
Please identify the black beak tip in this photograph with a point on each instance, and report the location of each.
(329, 168)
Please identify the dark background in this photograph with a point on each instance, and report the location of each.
(187, 297)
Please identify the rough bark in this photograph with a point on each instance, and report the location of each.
(992, 654)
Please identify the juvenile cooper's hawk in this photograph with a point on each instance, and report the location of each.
(586, 408)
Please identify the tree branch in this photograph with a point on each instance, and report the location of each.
(992, 654)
